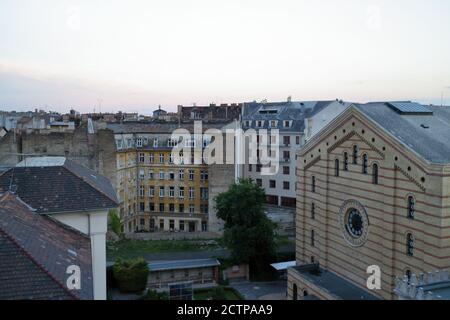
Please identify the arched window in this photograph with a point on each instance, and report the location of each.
(336, 168)
(294, 292)
(364, 164)
(355, 154)
(313, 184)
(411, 207)
(410, 244)
(345, 161)
(375, 173)
(312, 238)
(313, 210)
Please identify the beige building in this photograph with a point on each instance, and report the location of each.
(373, 190)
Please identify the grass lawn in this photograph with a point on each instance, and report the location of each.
(206, 294)
(130, 249)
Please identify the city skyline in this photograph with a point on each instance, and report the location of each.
(58, 55)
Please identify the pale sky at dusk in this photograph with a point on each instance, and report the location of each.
(133, 55)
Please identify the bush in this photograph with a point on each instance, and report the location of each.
(218, 293)
(131, 275)
(153, 295)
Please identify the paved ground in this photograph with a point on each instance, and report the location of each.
(275, 290)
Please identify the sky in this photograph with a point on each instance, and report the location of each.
(110, 55)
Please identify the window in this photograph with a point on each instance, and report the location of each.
(313, 210)
(141, 157)
(139, 142)
(204, 226)
(141, 174)
(151, 175)
(204, 193)
(260, 123)
(286, 185)
(286, 140)
(181, 208)
(247, 123)
(181, 225)
(172, 143)
(204, 175)
(119, 144)
(191, 193)
(161, 207)
(161, 158)
(204, 208)
(181, 192)
(181, 174)
(141, 191)
(161, 175)
(286, 155)
(336, 167)
(272, 184)
(152, 224)
(155, 143)
(171, 225)
(411, 207)
(258, 167)
(141, 206)
(151, 206)
(191, 175)
(297, 140)
(171, 207)
(170, 158)
(345, 161)
(151, 158)
(171, 176)
(250, 168)
(286, 170)
(259, 182)
(151, 191)
(355, 154)
(313, 184)
(294, 292)
(273, 123)
(364, 164)
(191, 208)
(409, 244)
(190, 143)
(161, 192)
(142, 222)
(171, 192)
(161, 224)
(312, 238)
(287, 124)
(375, 173)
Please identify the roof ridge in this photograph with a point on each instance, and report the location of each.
(39, 265)
(88, 182)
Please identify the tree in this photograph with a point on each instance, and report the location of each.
(248, 232)
(131, 275)
(114, 224)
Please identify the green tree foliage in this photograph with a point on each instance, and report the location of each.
(114, 224)
(131, 275)
(248, 233)
(153, 295)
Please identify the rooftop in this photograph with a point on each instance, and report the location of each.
(182, 264)
(56, 184)
(35, 252)
(333, 284)
(425, 132)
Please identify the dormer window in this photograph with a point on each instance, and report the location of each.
(260, 123)
(248, 123)
(155, 143)
(139, 142)
(273, 123)
(287, 124)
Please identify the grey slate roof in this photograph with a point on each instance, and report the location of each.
(297, 111)
(35, 251)
(59, 188)
(169, 127)
(432, 143)
(182, 264)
